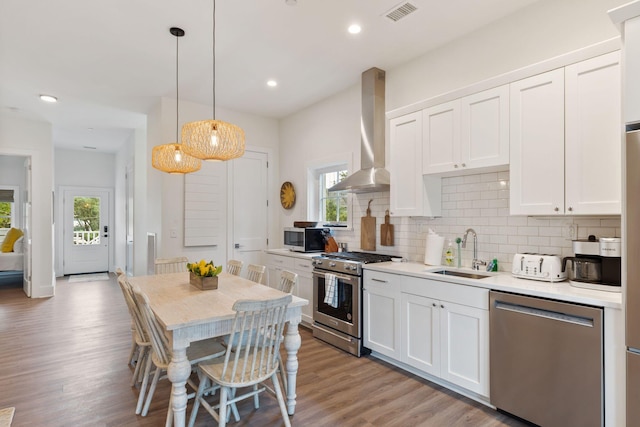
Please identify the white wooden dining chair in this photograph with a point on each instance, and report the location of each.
(134, 345)
(234, 267)
(251, 359)
(255, 272)
(171, 265)
(197, 352)
(140, 337)
(288, 280)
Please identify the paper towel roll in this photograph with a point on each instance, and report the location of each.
(433, 249)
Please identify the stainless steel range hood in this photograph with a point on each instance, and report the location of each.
(372, 175)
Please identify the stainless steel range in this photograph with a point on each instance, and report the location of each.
(337, 289)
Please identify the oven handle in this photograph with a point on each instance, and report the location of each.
(346, 278)
(326, 331)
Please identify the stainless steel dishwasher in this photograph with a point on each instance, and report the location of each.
(546, 360)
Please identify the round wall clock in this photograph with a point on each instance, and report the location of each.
(287, 195)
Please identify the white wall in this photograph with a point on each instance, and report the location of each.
(30, 138)
(81, 168)
(168, 198)
(545, 29)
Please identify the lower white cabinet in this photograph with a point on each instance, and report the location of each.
(381, 313)
(439, 328)
(304, 288)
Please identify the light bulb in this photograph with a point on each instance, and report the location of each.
(177, 155)
(214, 138)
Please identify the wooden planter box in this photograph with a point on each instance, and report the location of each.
(203, 283)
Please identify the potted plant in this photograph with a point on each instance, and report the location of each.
(204, 275)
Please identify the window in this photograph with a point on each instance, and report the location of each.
(333, 205)
(8, 207)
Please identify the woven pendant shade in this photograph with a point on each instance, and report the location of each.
(171, 159)
(227, 144)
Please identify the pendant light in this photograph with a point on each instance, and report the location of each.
(213, 139)
(170, 158)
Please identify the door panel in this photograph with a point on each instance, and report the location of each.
(249, 208)
(86, 230)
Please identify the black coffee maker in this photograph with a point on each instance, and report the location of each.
(596, 264)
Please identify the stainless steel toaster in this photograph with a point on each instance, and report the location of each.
(547, 268)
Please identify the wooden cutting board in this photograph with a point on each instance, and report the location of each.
(386, 231)
(331, 245)
(368, 231)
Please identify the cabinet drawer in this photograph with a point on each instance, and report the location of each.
(376, 279)
(446, 291)
(302, 267)
(279, 261)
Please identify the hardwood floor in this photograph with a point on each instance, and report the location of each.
(63, 363)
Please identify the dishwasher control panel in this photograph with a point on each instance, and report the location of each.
(544, 267)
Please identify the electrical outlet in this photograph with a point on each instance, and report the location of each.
(173, 233)
(572, 231)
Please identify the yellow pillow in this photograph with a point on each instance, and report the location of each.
(11, 237)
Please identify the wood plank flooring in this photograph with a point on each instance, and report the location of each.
(63, 363)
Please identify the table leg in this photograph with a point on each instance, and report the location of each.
(178, 372)
(292, 342)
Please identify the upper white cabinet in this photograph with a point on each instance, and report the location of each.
(467, 133)
(411, 194)
(593, 158)
(537, 144)
(632, 70)
(566, 140)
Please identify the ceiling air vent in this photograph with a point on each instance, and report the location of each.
(400, 11)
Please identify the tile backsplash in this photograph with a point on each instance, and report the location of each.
(480, 202)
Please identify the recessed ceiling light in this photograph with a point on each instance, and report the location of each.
(272, 83)
(48, 98)
(354, 28)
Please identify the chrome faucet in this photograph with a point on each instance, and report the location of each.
(475, 263)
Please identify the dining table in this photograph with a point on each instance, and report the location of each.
(189, 314)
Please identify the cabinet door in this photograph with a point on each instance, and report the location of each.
(304, 269)
(632, 70)
(381, 314)
(441, 138)
(275, 264)
(484, 140)
(593, 136)
(464, 339)
(421, 333)
(537, 145)
(405, 166)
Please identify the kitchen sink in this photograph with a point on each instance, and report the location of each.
(460, 274)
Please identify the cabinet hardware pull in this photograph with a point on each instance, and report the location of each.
(464, 165)
(570, 209)
(556, 209)
(441, 305)
(373, 279)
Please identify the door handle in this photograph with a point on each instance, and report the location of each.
(236, 246)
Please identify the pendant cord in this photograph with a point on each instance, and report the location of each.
(214, 59)
(177, 91)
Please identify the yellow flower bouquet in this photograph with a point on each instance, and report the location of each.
(204, 275)
(204, 269)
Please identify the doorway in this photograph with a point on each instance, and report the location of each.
(249, 177)
(86, 230)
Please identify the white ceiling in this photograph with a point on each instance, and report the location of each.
(108, 62)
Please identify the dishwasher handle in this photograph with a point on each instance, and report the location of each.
(547, 314)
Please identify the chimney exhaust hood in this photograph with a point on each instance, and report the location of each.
(372, 175)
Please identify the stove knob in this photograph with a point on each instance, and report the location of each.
(354, 268)
(332, 264)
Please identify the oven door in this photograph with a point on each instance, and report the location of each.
(345, 315)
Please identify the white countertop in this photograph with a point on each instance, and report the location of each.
(287, 252)
(502, 281)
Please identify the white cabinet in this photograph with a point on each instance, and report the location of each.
(537, 144)
(446, 339)
(467, 133)
(420, 327)
(411, 194)
(439, 328)
(464, 344)
(381, 313)
(565, 140)
(304, 288)
(632, 70)
(593, 144)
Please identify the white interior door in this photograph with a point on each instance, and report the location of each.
(26, 216)
(86, 230)
(249, 178)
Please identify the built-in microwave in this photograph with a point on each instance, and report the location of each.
(310, 239)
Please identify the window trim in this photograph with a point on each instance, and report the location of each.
(314, 169)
